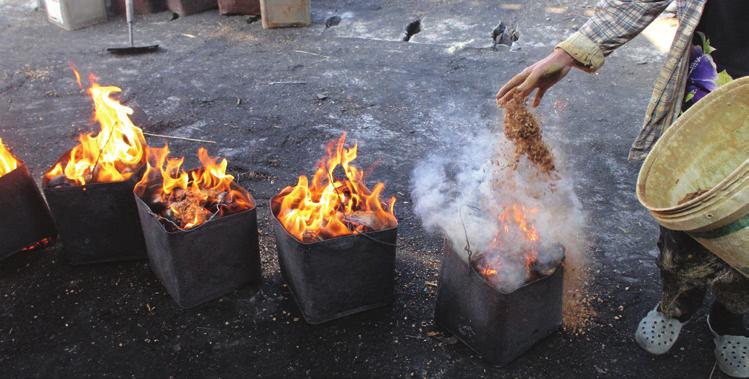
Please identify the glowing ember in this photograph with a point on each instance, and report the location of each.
(115, 154)
(334, 205)
(8, 162)
(515, 230)
(184, 199)
(44, 242)
(487, 272)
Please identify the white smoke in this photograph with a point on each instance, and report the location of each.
(461, 190)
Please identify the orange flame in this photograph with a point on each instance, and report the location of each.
(333, 206)
(114, 154)
(8, 162)
(77, 75)
(517, 214)
(189, 199)
(513, 221)
(487, 272)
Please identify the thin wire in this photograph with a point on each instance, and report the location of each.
(468, 243)
(377, 240)
(101, 151)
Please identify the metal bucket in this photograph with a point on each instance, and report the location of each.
(205, 263)
(97, 222)
(497, 326)
(338, 277)
(26, 219)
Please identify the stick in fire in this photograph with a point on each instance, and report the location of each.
(114, 154)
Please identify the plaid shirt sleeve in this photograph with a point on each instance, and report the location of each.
(614, 23)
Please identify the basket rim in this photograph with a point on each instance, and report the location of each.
(739, 173)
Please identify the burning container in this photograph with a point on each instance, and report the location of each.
(90, 187)
(97, 222)
(205, 263)
(498, 326)
(338, 277)
(200, 228)
(336, 239)
(26, 222)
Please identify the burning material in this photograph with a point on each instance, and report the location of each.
(26, 224)
(336, 203)
(90, 188)
(504, 224)
(523, 129)
(200, 228)
(114, 154)
(516, 227)
(185, 200)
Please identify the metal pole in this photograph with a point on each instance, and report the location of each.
(130, 13)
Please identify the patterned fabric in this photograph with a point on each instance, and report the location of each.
(617, 21)
(687, 271)
(703, 76)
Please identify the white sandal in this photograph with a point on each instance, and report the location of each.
(731, 353)
(657, 333)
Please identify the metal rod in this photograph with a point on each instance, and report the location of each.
(130, 30)
(130, 14)
(287, 82)
(177, 138)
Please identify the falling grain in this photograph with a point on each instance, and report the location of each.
(523, 129)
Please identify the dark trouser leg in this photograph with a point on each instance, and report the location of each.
(687, 269)
(731, 303)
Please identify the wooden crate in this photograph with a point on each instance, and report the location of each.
(188, 7)
(285, 13)
(243, 7)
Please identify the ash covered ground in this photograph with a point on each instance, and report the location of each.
(271, 100)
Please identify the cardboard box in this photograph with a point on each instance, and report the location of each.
(75, 14)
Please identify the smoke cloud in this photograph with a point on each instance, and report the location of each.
(463, 192)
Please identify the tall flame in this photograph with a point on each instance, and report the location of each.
(114, 154)
(189, 199)
(8, 162)
(333, 206)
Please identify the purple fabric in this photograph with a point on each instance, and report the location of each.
(702, 75)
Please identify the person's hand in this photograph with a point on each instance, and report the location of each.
(540, 76)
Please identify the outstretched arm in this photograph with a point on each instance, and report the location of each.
(614, 23)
